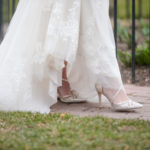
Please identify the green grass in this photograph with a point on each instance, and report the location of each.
(25, 131)
(121, 8)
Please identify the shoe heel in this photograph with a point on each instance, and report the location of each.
(100, 100)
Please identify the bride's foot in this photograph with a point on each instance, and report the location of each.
(64, 92)
(66, 95)
(119, 101)
(128, 105)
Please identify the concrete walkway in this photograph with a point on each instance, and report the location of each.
(140, 94)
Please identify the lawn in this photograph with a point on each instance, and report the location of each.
(121, 8)
(26, 131)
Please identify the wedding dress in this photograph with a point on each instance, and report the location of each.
(41, 36)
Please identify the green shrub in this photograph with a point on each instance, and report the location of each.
(145, 28)
(142, 56)
(125, 57)
(124, 35)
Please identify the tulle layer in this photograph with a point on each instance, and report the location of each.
(41, 36)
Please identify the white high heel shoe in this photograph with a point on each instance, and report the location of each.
(71, 99)
(128, 105)
(74, 98)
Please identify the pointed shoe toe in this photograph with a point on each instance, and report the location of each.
(127, 106)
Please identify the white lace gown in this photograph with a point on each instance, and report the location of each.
(41, 36)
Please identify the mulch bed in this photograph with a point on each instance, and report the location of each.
(142, 75)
